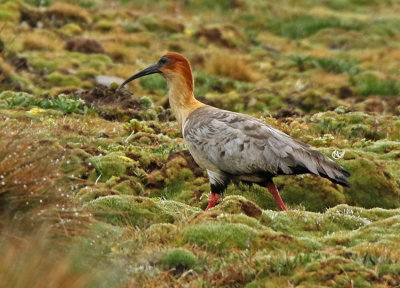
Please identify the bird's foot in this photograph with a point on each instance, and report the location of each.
(213, 200)
(274, 191)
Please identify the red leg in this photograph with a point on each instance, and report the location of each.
(213, 200)
(274, 191)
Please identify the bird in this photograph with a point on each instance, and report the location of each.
(232, 146)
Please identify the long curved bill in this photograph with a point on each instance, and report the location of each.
(149, 70)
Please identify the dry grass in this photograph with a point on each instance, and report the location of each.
(41, 42)
(6, 70)
(27, 166)
(32, 260)
(118, 52)
(66, 10)
(231, 66)
(330, 79)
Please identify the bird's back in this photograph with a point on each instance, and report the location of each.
(241, 145)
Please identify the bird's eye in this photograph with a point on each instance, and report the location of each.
(163, 61)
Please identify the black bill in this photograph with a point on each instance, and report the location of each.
(149, 70)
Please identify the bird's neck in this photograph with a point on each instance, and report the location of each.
(181, 99)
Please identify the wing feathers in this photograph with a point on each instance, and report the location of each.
(238, 144)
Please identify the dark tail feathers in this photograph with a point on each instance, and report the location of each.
(339, 179)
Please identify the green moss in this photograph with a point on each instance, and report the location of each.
(59, 79)
(333, 271)
(113, 164)
(219, 237)
(149, 115)
(98, 62)
(307, 224)
(131, 27)
(311, 192)
(128, 210)
(239, 204)
(179, 259)
(370, 214)
(9, 12)
(161, 232)
(180, 210)
(383, 146)
(241, 219)
(145, 101)
(371, 184)
(129, 187)
(88, 193)
(255, 193)
(150, 22)
(354, 125)
(71, 29)
(45, 65)
(208, 83)
(105, 25)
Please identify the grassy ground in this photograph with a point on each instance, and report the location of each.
(97, 188)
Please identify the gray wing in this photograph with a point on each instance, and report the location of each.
(238, 144)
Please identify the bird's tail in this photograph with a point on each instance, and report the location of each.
(331, 170)
(340, 178)
(313, 161)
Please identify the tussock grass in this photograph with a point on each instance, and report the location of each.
(336, 65)
(305, 25)
(230, 66)
(179, 259)
(333, 65)
(373, 86)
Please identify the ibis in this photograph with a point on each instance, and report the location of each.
(233, 146)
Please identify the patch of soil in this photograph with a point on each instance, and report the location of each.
(285, 113)
(250, 209)
(212, 35)
(84, 45)
(2, 45)
(217, 36)
(102, 95)
(345, 92)
(111, 103)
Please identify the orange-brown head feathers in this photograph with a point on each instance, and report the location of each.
(176, 69)
(177, 64)
(172, 66)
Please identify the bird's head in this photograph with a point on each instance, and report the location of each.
(173, 66)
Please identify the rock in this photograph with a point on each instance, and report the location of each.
(108, 80)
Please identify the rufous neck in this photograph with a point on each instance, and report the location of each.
(181, 98)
